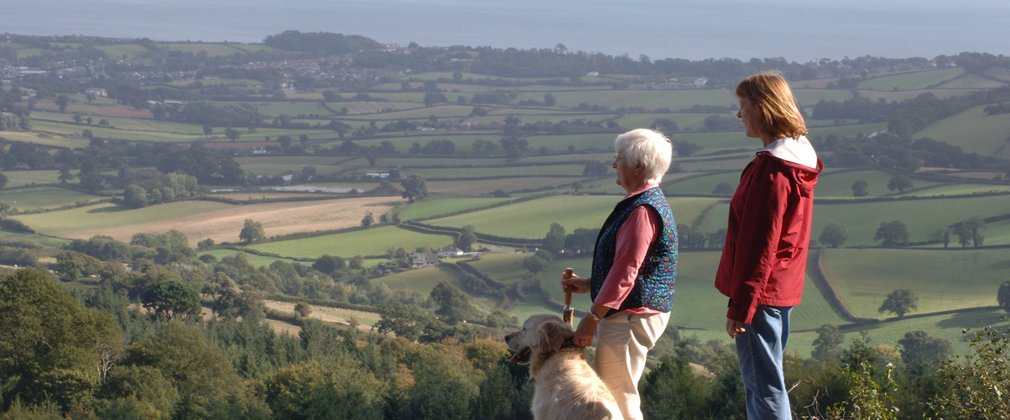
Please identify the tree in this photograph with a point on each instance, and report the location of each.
(207, 382)
(339, 388)
(859, 188)
(535, 264)
(3, 181)
(467, 237)
(207, 129)
(514, 147)
(65, 175)
(227, 296)
(833, 235)
(1003, 296)
(172, 299)
(900, 183)
(138, 392)
(549, 100)
(893, 234)
(672, 390)
(451, 304)
(331, 96)
(554, 242)
(922, 353)
(414, 188)
(723, 188)
(665, 126)
(407, 321)
(329, 264)
(252, 231)
(969, 232)
(303, 309)
(581, 240)
(828, 344)
(367, 220)
(73, 266)
(595, 168)
(432, 98)
(134, 196)
(52, 348)
(231, 133)
(61, 102)
(900, 302)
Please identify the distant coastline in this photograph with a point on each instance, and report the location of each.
(659, 30)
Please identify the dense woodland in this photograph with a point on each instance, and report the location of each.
(155, 328)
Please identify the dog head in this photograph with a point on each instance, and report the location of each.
(540, 336)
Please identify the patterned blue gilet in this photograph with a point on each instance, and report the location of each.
(654, 285)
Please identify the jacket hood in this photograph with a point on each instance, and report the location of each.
(802, 175)
(796, 150)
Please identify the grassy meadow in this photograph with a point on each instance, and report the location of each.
(493, 193)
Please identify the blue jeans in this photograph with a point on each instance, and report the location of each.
(760, 350)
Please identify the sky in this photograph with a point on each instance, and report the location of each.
(694, 29)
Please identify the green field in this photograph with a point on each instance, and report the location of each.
(684, 121)
(441, 206)
(374, 241)
(43, 197)
(505, 268)
(974, 131)
(483, 172)
(292, 109)
(420, 112)
(255, 260)
(279, 165)
(212, 50)
(650, 99)
(972, 81)
(41, 240)
(911, 81)
(462, 142)
(704, 184)
(697, 304)
(904, 95)
(119, 51)
(484, 187)
(532, 219)
(421, 281)
(952, 189)
(948, 327)
(942, 279)
(861, 220)
(22, 178)
(837, 183)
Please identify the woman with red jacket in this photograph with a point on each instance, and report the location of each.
(764, 259)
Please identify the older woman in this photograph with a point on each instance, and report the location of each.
(634, 268)
(765, 255)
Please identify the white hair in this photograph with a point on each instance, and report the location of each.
(648, 148)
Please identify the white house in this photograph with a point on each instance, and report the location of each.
(449, 251)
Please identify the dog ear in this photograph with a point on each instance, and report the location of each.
(553, 336)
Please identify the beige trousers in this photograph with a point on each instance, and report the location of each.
(624, 341)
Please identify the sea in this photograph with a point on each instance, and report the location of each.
(797, 30)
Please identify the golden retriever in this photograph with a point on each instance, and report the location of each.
(566, 387)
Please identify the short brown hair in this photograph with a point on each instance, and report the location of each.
(770, 93)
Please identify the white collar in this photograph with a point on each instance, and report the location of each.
(796, 150)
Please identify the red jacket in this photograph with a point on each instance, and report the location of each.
(765, 257)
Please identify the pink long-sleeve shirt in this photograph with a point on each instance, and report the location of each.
(634, 237)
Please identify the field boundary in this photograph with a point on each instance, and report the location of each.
(816, 272)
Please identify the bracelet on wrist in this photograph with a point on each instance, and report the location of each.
(593, 316)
